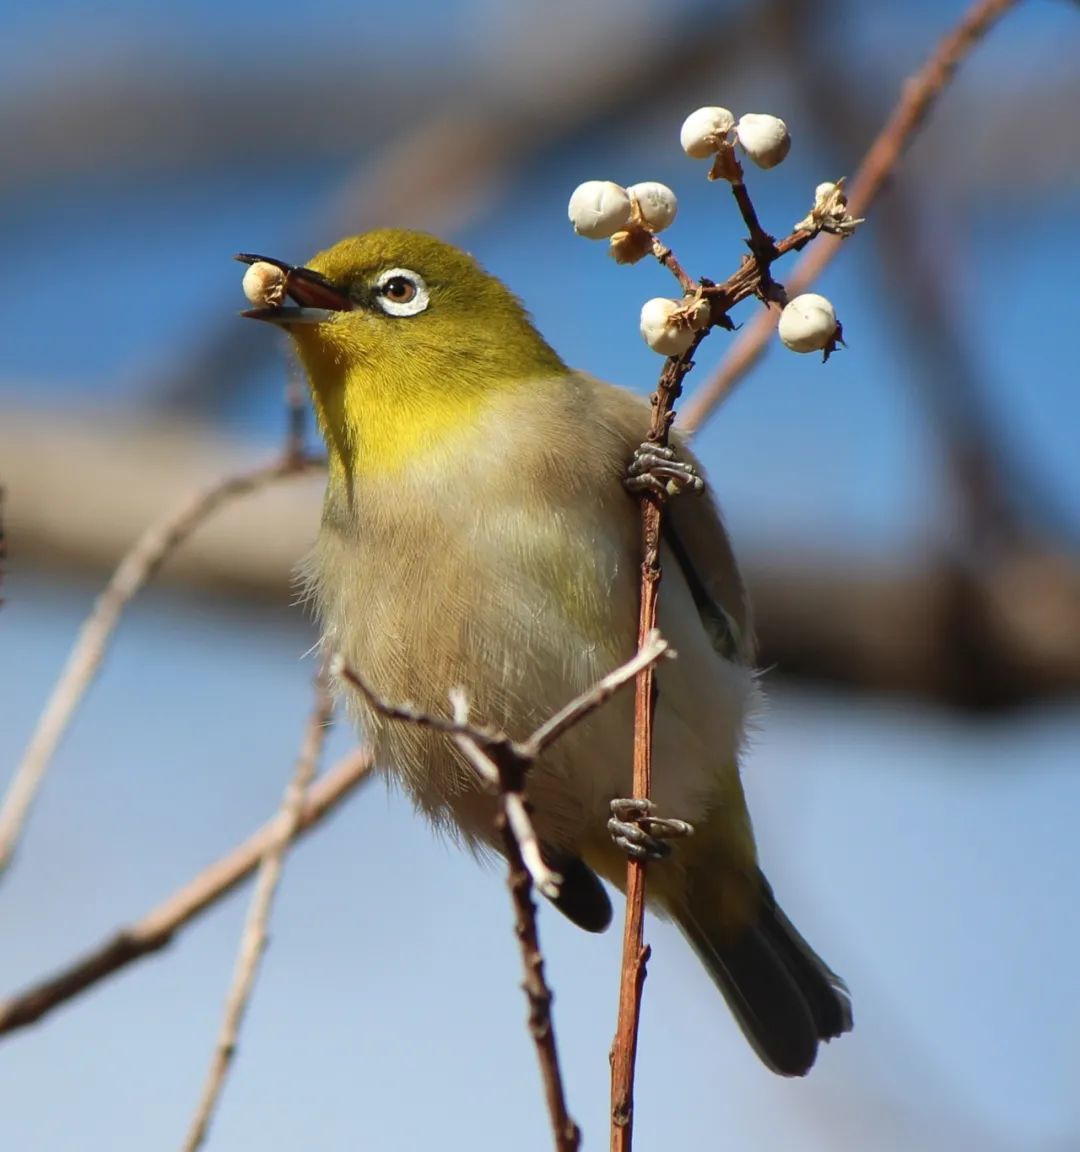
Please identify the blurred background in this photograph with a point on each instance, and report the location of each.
(907, 516)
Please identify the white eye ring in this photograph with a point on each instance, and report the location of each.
(415, 303)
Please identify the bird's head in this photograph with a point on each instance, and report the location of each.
(403, 338)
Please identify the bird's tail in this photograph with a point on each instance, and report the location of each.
(784, 996)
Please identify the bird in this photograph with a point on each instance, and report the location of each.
(478, 532)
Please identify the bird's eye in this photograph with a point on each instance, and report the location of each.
(400, 292)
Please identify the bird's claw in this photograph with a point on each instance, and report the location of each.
(640, 834)
(654, 469)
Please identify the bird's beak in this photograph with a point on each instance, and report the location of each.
(317, 300)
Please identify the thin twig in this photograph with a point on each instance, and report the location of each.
(754, 277)
(253, 940)
(140, 564)
(152, 932)
(762, 246)
(410, 714)
(635, 954)
(653, 649)
(502, 767)
(566, 1132)
(917, 98)
(666, 257)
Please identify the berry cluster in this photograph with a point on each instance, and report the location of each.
(631, 218)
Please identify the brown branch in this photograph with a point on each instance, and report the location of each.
(917, 98)
(666, 257)
(635, 954)
(254, 936)
(503, 765)
(761, 243)
(754, 277)
(762, 246)
(156, 929)
(566, 1132)
(653, 648)
(135, 570)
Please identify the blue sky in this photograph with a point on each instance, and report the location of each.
(930, 858)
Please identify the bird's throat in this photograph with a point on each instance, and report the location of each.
(378, 423)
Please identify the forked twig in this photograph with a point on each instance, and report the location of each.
(136, 569)
(503, 765)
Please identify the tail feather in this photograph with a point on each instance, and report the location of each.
(783, 995)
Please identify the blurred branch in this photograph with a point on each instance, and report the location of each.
(918, 228)
(118, 475)
(135, 570)
(253, 939)
(918, 97)
(820, 618)
(157, 928)
(1006, 636)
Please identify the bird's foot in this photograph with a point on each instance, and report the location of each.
(654, 469)
(640, 834)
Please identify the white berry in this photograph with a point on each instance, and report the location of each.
(807, 323)
(599, 208)
(657, 204)
(661, 329)
(264, 284)
(764, 139)
(704, 131)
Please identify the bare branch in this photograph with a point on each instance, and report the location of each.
(917, 98)
(635, 954)
(134, 572)
(541, 1028)
(156, 929)
(503, 764)
(410, 714)
(254, 936)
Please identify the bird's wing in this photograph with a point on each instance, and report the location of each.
(694, 533)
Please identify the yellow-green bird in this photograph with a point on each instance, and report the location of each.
(477, 531)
